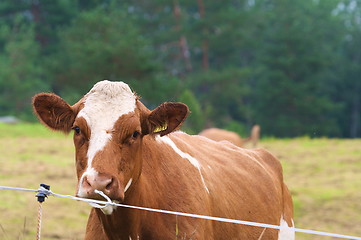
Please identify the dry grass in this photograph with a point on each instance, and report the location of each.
(29, 158)
(322, 174)
(324, 178)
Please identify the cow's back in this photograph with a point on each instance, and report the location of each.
(218, 135)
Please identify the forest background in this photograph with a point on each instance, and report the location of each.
(293, 67)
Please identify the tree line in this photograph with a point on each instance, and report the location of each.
(293, 67)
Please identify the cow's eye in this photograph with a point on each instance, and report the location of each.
(135, 134)
(76, 129)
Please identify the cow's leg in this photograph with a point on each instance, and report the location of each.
(94, 229)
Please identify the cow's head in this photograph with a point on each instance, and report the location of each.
(109, 124)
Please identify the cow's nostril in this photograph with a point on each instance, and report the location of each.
(86, 182)
(110, 184)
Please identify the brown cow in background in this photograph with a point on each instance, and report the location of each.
(218, 135)
(136, 156)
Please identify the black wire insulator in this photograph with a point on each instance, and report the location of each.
(41, 196)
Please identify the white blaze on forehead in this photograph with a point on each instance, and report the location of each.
(103, 105)
(192, 160)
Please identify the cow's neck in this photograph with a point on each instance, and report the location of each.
(125, 221)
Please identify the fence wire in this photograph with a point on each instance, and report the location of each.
(108, 202)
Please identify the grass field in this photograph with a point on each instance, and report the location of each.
(322, 174)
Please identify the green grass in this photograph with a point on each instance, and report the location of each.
(27, 130)
(322, 174)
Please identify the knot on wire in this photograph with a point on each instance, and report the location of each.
(96, 205)
(43, 192)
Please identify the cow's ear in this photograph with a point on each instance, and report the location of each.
(54, 112)
(166, 118)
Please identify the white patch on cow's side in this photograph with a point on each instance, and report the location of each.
(104, 104)
(192, 160)
(284, 234)
(128, 185)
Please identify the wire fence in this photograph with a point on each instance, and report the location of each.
(44, 192)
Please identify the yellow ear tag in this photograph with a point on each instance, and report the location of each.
(160, 128)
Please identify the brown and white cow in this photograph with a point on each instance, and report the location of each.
(136, 156)
(218, 135)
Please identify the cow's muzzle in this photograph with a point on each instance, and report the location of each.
(106, 183)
